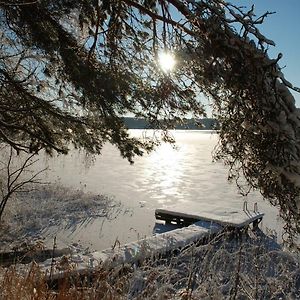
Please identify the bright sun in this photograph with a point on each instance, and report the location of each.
(166, 61)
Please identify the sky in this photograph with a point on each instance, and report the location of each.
(283, 28)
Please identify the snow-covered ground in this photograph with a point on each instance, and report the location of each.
(250, 267)
(113, 203)
(42, 213)
(230, 269)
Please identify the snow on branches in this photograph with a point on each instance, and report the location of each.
(97, 61)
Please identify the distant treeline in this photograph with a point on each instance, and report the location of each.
(190, 124)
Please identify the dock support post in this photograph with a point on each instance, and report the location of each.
(255, 223)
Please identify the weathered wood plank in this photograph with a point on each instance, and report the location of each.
(231, 219)
(136, 252)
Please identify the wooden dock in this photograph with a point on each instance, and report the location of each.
(134, 253)
(199, 229)
(234, 219)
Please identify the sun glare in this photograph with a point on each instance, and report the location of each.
(166, 61)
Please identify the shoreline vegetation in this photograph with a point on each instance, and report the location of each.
(251, 266)
(50, 207)
(71, 70)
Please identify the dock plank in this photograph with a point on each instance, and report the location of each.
(139, 251)
(204, 226)
(160, 244)
(230, 219)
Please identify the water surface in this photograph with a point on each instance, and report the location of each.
(184, 177)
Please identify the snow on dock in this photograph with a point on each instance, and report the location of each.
(159, 244)
(233, 219)
(138, 251)
(203, 227)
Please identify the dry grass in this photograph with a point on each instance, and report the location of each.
(249, 268)
(34, 285)
(58, 206)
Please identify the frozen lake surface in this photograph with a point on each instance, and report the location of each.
(183, 177)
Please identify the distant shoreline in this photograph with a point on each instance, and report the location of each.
(191, 124)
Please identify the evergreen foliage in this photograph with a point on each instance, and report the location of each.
(70, 70)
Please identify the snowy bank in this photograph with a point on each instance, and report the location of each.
(137, 252)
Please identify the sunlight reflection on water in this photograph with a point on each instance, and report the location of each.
(184, 177)
(164, 168)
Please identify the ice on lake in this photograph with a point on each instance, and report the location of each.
(181, 177)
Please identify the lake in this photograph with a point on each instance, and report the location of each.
(182, 177)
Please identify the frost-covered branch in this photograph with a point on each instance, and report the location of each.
(86, 64)
(15, 177)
